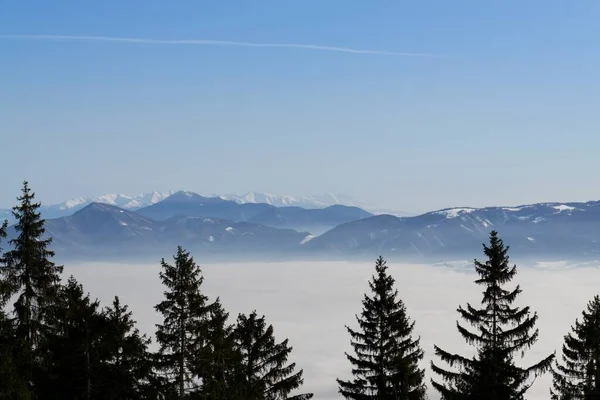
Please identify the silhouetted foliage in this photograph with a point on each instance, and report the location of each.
(127, 364)
(386, 362)
(28, 273)
(182, 334)
(219, 363)
(13, 386)
(266, 373)
(76, 364)
(578, 376)
(502, 331)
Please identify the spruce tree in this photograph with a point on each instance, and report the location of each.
(386, 362)
(76, 347)
(502, 330)
(127, 368)
(13, 386)
(218, 362)
(578, 377)
(266, 375)
(28, 272)
(184, 326)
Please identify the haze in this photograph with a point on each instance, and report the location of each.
(310, 303)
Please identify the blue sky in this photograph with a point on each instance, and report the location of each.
(508, 114)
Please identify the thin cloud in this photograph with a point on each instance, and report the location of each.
(202, 42)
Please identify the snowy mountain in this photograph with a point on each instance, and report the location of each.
(314, 220)
(308, 202)
(143, 200)
(119, 200)
(100, 230)
(548, 230)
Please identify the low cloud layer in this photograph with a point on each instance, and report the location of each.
(310, 303)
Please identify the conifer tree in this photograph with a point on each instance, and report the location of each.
(502, 330)
(127, 367)
(184, 326)
(578, 377)
(13, 386)
(76, 347)
(28, 272)
(265, 372)
(218, 363)
(386, 362)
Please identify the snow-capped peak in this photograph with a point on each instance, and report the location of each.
(117, 199)
(455, 212)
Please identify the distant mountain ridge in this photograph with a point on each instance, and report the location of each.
(219, 226)
(544, 229)
(142, 200)
(316, 220)
(101, 230)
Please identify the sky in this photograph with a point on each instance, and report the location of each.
(462, 103)
(311, 303)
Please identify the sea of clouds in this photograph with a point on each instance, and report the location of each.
(310, 303)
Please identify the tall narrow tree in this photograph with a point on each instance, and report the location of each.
(385, 366)
(578, 377)
(218, 362)
(29, 273)
(76, 347)
(127, 367)
(266, 374)
(185, 315)
(502, 331)
(13, 386)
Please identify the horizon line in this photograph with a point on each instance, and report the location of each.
(210, 42)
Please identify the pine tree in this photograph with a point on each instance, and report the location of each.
(127, 367)
(386, 362)
(502, 331)
(265, 375)
(184, 326)
(578, 377)
(28, 272)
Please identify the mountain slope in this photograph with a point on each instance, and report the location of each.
(308, 202)
(548, 229)
(102, 230)
(191, 204)
(315, 221)
(71, 206)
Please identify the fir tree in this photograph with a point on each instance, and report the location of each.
(184, 326)
(28, 272)
(265, 372)
(578, 377)
(386, 362)
(127, 367)
(502, 331)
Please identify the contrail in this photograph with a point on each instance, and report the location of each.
(216, 43)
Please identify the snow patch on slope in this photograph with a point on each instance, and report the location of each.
(456, 212)
(563, 207)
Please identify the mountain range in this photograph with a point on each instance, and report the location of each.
(139, 201)
(217, 227)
